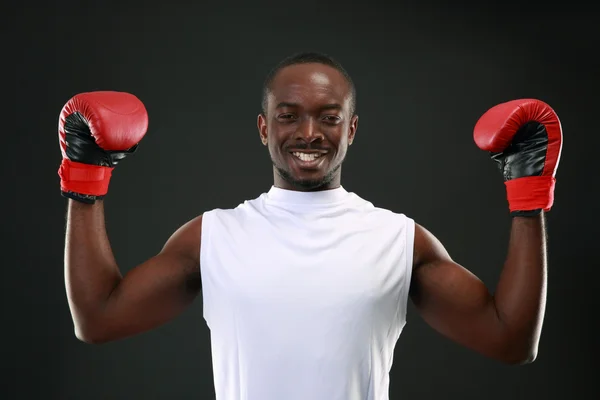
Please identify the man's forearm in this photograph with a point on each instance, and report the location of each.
(91, 272)
(520, 298)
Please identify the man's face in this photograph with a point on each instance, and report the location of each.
(308, 126)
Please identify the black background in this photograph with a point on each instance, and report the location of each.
(424, 71)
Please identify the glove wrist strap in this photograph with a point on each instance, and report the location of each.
(530, 193)
(83, 180)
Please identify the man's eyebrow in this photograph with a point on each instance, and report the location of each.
(332, 106)
(286, 104)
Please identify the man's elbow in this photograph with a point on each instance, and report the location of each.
(89, 335)
(89, 339)
(519, 356)
(522, 360)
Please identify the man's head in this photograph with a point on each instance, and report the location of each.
(308, 121)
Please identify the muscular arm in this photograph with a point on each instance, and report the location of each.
(506, 325)
(107, 306)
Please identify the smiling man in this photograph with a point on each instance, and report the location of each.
(308, 121)
(305, 288)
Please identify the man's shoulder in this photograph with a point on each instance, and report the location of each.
(376, 209)
(236, 209)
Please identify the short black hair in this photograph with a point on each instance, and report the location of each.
(307, 58)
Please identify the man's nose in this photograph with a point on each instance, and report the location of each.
(309, 131)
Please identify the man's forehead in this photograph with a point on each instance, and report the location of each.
(309, 79)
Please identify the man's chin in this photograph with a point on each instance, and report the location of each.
(308, 184)
(314, 181)
(304, 182)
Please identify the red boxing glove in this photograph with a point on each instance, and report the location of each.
(96, 130)
(525, 138)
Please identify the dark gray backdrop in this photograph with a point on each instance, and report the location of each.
(425, 72)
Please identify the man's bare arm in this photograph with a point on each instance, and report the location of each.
(107, 306)
(506, 325)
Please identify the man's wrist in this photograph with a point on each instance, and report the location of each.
(526, 213)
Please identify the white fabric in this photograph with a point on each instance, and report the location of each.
(305, 295)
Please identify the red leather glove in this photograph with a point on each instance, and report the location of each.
(525, 138)
(96, 130)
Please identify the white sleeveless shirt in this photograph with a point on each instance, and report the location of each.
(305, 295)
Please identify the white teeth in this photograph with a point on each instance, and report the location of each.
(306, 156)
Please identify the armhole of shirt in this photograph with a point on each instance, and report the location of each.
(205, 246)
(409, 242)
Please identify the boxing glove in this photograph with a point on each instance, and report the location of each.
(97, 130)
(525, 138)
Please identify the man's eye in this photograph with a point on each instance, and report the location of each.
(331, 118)
(286, 116)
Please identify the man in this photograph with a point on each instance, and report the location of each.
(305, 288)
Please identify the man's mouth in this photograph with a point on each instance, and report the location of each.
(306, 156)
(308, 159)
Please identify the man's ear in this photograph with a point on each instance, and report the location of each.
(352, 129)
(261, 123)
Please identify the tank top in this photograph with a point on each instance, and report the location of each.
(305, 295)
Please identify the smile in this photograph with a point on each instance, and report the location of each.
(306, 156)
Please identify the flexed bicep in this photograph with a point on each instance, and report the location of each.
(451, 299)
